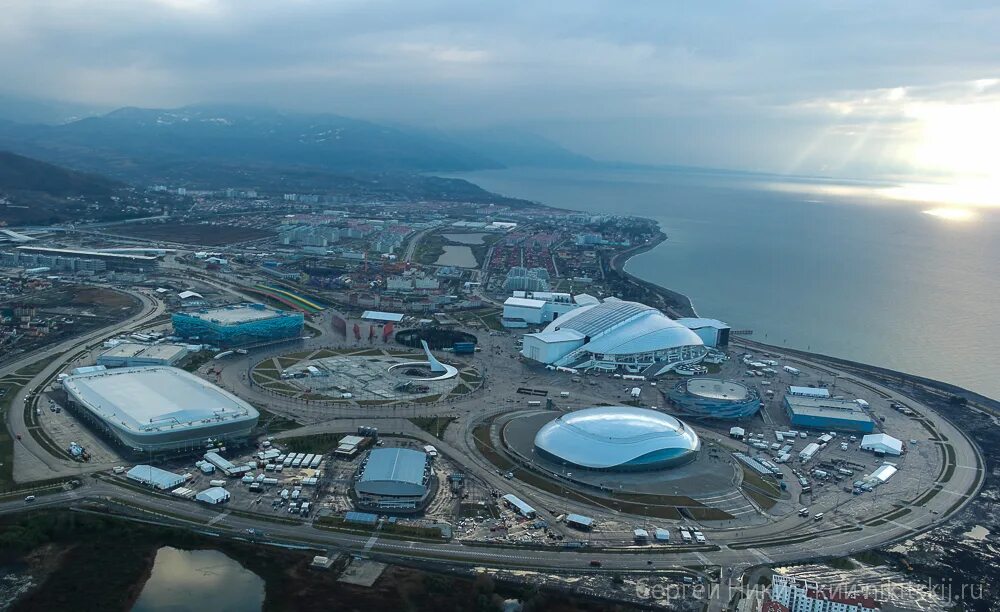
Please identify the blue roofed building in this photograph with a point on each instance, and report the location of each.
(238, 325)
(394, 479)
(827, 413)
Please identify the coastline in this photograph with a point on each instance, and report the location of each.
(677, 304)
(684, 307)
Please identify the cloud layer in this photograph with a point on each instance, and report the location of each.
(781, 86)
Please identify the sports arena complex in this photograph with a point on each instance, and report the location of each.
(159, 408)
(714, 398)
(614, 335)
(618, 439)
(238, 325)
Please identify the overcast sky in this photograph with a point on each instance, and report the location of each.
(848, 88)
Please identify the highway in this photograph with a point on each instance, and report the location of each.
(31, 461)
(789, 539)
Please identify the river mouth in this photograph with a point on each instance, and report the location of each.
(199, 580)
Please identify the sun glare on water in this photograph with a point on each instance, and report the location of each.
(951, 214)
(960, 140)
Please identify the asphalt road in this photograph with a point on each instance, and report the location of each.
(31, 460)
(761, 545)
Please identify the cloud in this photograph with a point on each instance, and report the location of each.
(780, 85)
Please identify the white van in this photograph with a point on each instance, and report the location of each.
(818, 517)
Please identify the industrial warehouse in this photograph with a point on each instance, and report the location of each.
(150, 409)
(617, 438)
(614, 335)
(714, 398)
(238, 325)
(827, 413)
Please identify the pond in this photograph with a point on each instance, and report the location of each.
(465, 238)
(199, 580)
(458, 256)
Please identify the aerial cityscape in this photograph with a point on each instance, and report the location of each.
(261, 356)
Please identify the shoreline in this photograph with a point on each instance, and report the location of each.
(685, 308)
(682, 306)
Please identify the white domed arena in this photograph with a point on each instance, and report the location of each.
(617, 439)
(615, 335)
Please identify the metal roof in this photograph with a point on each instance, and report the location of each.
(391, 471)
(160, 479)
(609, 437)
(239, 313)
(155, 398)
(883, 442)
(699, 322)
(378, 315)
(809, 391)
(619, 328)
(213, 495)
(521, 506)
(714, 388)
(151, 351)
(362, 518)
(525, 302)
(598, 318)
(579, 519)
(90, 254)
(826, 407)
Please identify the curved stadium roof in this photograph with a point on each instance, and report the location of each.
(618, 327)
(618, 438)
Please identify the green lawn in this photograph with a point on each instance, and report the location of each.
(433, 425)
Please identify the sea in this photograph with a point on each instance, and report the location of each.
(842, 268)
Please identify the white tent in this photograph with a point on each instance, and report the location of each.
(882, 443)
(214, 495)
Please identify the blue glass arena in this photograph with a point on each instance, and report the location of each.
(714, 398)
(617, 439)
(238, 325)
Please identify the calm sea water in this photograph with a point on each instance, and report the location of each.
(848, 274)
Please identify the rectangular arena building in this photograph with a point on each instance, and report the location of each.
(238, 325)
(131, 354)
(157, 408)
(826, 413)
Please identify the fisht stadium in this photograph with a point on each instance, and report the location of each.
(615, 335)
(238, 325)
(159, 408)
(617, 439)
(714, 398)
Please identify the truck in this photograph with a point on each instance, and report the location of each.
(791, 370)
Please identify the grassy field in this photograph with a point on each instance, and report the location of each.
(431, 247)
(316, 443)
(433, 425)
(274, 423)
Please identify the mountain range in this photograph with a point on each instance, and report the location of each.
(207, 145)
